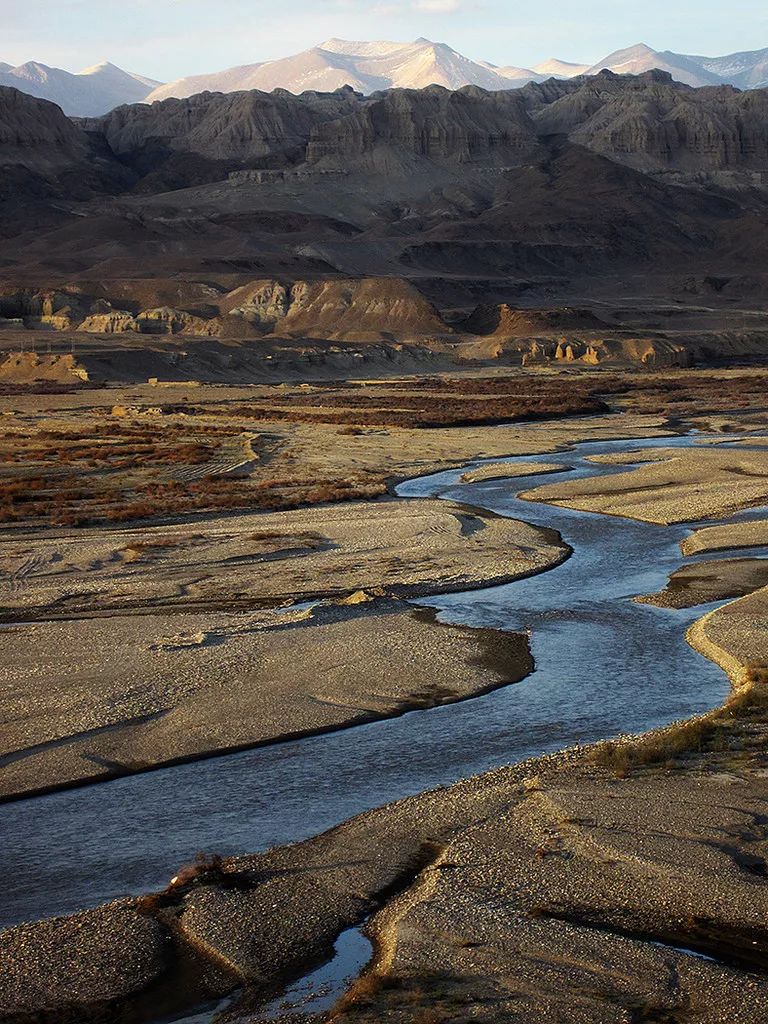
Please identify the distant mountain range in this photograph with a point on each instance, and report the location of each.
(371, 66)
(367, 67)
(89, 93)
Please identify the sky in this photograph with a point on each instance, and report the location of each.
(167, 39)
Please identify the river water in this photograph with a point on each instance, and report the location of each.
(604, 665)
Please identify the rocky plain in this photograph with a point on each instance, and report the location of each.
(232, 328)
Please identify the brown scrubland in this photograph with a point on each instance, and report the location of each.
(121, 460)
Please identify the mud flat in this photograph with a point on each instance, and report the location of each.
(672, 486)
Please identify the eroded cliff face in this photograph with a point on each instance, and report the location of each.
(361, 309)
(338, 216)
(465, 127)
(648, 121)
(44, 156)
(325, 319)
(564, 335)
(369, 308)
(653, 123)
(580, 347)
(233, 126)
(260, 303)
(504, 320)
(36, 133)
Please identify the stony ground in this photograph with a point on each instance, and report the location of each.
(668, 485)
(108, 696)
(527, 893)
(112, 612)
(507, 471)
(573, 888)
(247, 560)
(159, 645)
(720, 538)
(705, 581)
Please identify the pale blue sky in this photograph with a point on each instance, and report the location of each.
(170, 38)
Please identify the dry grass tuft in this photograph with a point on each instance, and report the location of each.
(715, 732)
(429, 1016)
(206, 869)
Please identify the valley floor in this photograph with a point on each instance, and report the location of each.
(616, 883)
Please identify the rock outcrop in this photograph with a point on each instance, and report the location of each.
(261, 303)
(357, 310)
(166, 320)
(241, 126)
(648, 121)
(36, 134)
(371, 308)
(227, 202)
(470, 126)
(505, 321)
(586, 348)
(653, 123)
(116, 321)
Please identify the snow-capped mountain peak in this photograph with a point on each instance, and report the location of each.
(90, 92)
(368, 66)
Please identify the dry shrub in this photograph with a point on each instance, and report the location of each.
(712, 733)
(151, 903)
(136, 550)
(134, 510)
(207, 868)
(443, 413)
(429, 1016)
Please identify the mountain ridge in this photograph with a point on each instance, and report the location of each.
(608, 186)
(368, 67)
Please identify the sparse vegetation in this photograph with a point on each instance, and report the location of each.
(428, 999)
(417, 409)
(720, 730)
(170, 460)
(206, 869)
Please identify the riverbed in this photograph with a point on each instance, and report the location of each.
(604, 665)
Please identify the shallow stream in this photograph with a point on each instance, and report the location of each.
(604, 665)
